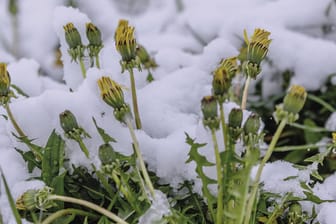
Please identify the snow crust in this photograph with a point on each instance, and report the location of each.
(187, 45)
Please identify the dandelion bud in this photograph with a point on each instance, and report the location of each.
(223, 76)
(113, 95)
(111, 92)
(35, 199)
(252, 124)
(210, 113)
(27, 200)
(295, 213)
(93, 34)
(106, 154)
(72, 36)
(125, 41)
(68, 121)
(4, 80)
(145, 58)
(257, 47)
(295, 99)
(235, 118)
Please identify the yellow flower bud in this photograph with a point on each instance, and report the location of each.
(93, 34)
(72, 36)
(223, 76)
(125, 41)
(4, 80)
(295, 99)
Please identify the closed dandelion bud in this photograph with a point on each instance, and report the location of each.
(27, 201)
(106, 154)
(295, 213)
(4, 80)
(72, 36)
(68, 121)
(113, 95)
(295, 99)
(222, 78)
(210, 113)
(145, 58)
(235, 118)
(333, 135)
(111, 92)
(125, 41)
(252, 125)
(257, 46)
(93, 34)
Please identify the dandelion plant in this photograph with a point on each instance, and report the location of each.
(126, 45)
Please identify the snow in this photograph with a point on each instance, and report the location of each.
(187, 45)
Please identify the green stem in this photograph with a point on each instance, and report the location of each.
(90, 205)
(260, 168)
(244, 99)
(83, 147)
(82, 66)
(64, 212)
(224, 126)
(12, 119)
(219, 214)
(141, 161)
(97, 61)
(300, 147)
(134, 100)
(321, 102)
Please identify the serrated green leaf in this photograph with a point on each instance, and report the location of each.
(29, 157)
(201, 161)
(106, 138)
(11, 200)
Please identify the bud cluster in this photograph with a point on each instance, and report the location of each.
(74, 41)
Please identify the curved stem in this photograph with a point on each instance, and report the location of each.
(244, 99)
(219, 214)
(224, 126)
(64, 212)
(97, 61)
(82, 66)
(12, 119)
(134, 100)
(300, 147)
(90, 205)
(83, 147)
(260, 168)
(141, 161)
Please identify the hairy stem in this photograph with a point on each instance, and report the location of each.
(82, 66)
(224, 126)
(64, 212)
(260, 169)
(244, 99)
(134, 100)
(97, 61)
(83, 147)
(219, 213)
(12, 119)
(141, 161)
(90, 205)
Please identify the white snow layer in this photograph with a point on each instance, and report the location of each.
(187, 45)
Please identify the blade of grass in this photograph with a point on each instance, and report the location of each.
(11, 200)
